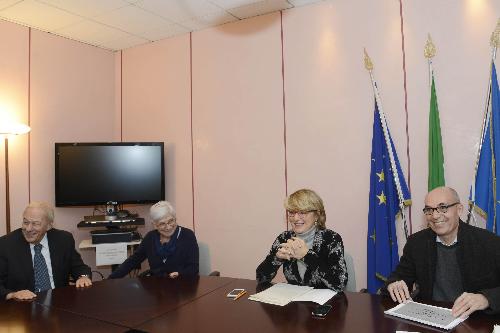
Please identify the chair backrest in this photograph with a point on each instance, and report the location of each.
(351, 280)
(205, 263)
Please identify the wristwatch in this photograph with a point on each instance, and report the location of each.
(83, 275)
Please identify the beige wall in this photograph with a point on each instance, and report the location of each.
(218, 106)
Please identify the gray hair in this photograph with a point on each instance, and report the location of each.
(161, 210)
(45, 207)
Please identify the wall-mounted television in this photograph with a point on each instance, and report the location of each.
(89, 174)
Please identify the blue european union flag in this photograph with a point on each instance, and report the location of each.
(384, 206)
(488, 170)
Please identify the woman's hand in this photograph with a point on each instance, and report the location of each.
(284, 252)
(299, 247)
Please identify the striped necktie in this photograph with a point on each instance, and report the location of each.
(42, 280)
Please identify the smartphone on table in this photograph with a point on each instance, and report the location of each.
(321, 311)
(235, 293)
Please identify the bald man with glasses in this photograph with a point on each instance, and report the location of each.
(450, 261)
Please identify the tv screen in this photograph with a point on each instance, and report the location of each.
(95, 173)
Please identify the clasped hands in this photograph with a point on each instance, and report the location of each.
(294, 248)
(463, 306)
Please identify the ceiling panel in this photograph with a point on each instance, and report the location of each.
(132, 19)
(38, 15)
(92, 32)
(87, 8)
(259, 8)
(179, 10)
(211, 20)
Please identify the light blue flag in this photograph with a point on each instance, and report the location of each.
(486, 189)
(382, 243)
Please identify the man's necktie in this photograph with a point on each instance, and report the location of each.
(42, 280)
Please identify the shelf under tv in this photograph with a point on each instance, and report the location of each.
(102, 222)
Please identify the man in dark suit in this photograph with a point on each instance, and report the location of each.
(450, 261)
(38, 257)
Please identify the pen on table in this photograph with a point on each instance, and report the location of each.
(239, 295)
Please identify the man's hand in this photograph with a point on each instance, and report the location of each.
(399, 291)
(468, 303)
(173, 275)
(83, 281)
(21, 295)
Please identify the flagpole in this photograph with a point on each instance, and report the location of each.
(369, 67)
(495, 43)
(429, 53)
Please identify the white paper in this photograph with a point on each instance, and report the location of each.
(496, 329)
(426, 314)
(320, 296)
(110, 254)
(284, 293)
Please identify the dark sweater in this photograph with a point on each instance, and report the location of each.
(325, 262)
(478, 258)
(184, 260)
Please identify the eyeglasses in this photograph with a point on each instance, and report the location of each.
(440, 209)
(162, 224)
(291, 213)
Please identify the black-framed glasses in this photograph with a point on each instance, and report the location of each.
(291, 213)
(440, 209)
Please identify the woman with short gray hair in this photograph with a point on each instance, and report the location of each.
(171, 250)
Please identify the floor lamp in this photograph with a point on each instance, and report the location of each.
(7, 130)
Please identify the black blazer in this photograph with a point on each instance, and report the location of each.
(478, 257)
(16, 264)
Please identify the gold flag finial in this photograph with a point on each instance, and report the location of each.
(495, 36)
(429, 49)
(368, 61)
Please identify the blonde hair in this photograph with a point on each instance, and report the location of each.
(45, 207)
(307, 200)
(161, 210)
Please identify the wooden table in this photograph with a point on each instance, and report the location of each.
(154, 304)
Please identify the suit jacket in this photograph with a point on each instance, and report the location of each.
(478, 257)
(16, 264)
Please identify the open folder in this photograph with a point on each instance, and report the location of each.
(283, 293)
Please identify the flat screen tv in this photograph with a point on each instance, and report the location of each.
(89, 174)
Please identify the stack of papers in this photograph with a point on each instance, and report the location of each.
(283, 293)
(426, 314)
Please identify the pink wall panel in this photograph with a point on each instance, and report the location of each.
(14, 105)
(156, 107)
(330, 107)
(72, 100)
(238, 142)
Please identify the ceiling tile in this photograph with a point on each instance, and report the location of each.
(298, 3)
(39, 15)
(87, 8)
(6, 3)
(124, 43)
(179, 10)
(92, 32)
(208, 21)
(165, 32)
(260, 8)
(132, 19)
(228, 4)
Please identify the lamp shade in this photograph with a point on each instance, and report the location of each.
(14, 129)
